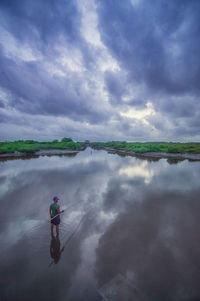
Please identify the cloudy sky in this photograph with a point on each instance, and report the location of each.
(100, 70)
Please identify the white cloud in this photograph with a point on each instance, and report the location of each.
(138, 170)
(89, 23)
(69, 58)
(16, 49)
(90, 32)
(138, 114)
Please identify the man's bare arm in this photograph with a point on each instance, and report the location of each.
(59, 210)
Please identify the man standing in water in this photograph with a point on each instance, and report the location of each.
(53, 211)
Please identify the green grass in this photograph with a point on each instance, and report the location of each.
(31, 146)
(138, 147)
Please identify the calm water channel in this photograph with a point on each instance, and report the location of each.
(125, 216)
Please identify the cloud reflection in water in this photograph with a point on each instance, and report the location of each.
(140, 219)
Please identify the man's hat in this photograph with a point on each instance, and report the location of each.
(55, 198)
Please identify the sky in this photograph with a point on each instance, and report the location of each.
(100, 70)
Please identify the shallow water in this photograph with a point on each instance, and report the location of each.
(124, 216)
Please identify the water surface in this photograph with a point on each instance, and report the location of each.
(124, 216)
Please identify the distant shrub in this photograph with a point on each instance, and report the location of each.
(66, 140)
(30, 141)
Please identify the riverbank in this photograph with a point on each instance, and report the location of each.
(158, 155)
(153, 155)
(154, 150)
(29, 148)
(46, 152)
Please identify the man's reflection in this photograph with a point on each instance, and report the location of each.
(55, 248)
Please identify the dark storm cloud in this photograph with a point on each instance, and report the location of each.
(2, 104)
(41, 21)
(35, 91)
(3, 118)
(53, 63)
(117, 84)
(179, 107)
(32, 89)
(157, 44)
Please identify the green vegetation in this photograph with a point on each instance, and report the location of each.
(31, 146)
(138, 147)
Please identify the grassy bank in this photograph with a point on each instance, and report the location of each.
(31, 146)
(138, 147)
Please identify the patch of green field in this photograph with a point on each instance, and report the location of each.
(138, 147)
(31, 146)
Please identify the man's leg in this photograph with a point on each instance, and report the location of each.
(51, 228)
(57, 229)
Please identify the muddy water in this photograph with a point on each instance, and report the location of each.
(124, 216)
